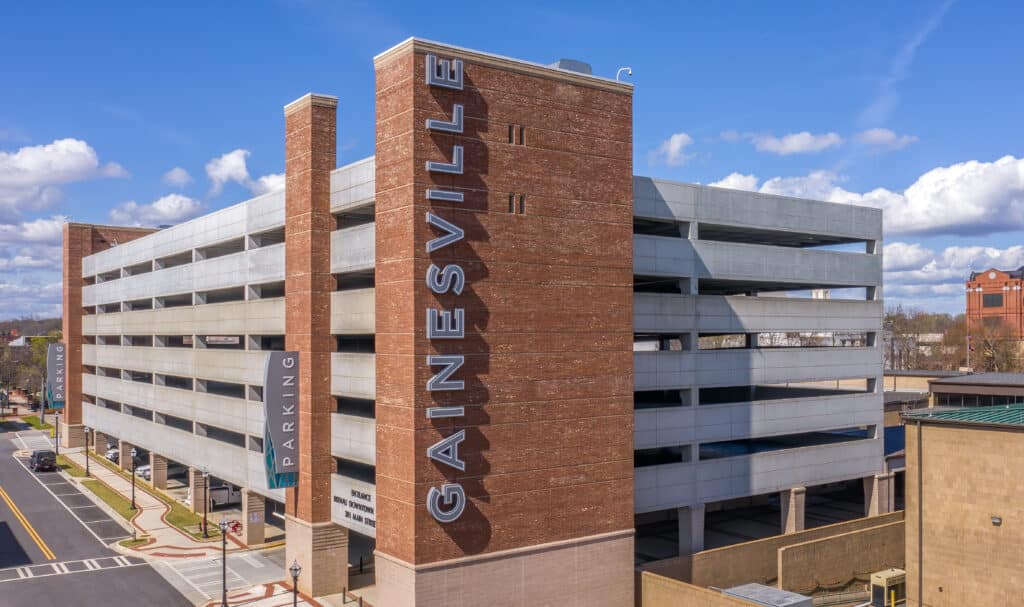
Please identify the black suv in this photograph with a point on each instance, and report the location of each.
(43, 461)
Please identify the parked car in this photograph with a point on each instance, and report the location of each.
(113, 454)
(219, 495)
(143, 471)
(43, 461)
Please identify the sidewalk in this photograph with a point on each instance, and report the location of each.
(267, 595)
(166, 541)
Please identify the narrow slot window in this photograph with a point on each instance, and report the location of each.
(522, 204)
(511, 133)
(522, 135)
(511, 203)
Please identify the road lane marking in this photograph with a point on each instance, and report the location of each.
(63, 568)
(50, 556)
(61, 502)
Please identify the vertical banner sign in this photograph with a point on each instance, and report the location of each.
(55, 375)
(281, 411)
(447, 502)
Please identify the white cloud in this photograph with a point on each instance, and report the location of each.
(177, 177)
(30, 178)
(168, 209)
(268, 183)
(737, 181)
(730, 135)
(38, 231)
(970, 197)
(232, 167)
(884, 138)
(914, 273)
(803, 142)
(26, 299)
(672, 150)
(900, 256)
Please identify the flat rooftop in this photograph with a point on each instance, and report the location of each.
(1002, 415)
(984, 379)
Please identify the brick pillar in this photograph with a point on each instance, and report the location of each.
(319, 546)
(792, 501)
(124, 460)
(80, 240)
(196, 486)
(879, 495)
(691, 530)
(99, 442)
(253, 525)
(158, 470)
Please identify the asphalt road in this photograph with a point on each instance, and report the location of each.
(50, 557)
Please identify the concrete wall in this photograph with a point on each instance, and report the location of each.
(837, 560)
(673, 201)
(680, 425)
(655, 590)
(755, 561)
(683, 484)
(657, 312)
(967, 476)
(667, 256)
(352, 312)
(254, 317)
(680, 369)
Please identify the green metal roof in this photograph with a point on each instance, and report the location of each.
(1001, 415)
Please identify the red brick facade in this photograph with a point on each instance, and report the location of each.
(82, 240)
(547, 300)
(310, 156)
(997, 294)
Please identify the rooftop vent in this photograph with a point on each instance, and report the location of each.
(573, 66)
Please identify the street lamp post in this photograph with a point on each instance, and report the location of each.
(87, 433)
(224, 562)
(206, 500)
(133, 454)
(295, 570)
(56, 432)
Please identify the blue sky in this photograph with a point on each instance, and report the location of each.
(912, 106)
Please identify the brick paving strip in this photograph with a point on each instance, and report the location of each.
(165, 540)
(269, 595)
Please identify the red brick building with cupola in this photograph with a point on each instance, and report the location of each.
(997, 294)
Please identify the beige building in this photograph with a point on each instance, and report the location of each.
(964, 509)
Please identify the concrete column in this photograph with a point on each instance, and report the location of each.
(319, 546)
(158, 470)
(322, 551)
(792, 501)
(691, 530)
(124, 460)
(197, 484)
(72, 436)
(879, 493)
(253, 525)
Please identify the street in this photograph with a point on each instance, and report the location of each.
(53, 543)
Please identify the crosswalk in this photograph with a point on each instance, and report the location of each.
(13, 574)
(31, 441)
